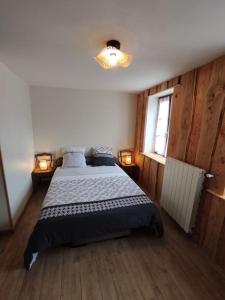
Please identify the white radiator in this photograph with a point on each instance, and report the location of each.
(182, 185)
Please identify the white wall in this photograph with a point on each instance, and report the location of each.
(16, 138)
(63, 117)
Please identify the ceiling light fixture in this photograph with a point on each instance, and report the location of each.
(111, 56)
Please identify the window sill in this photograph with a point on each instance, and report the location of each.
(159, 158)
(216, 194)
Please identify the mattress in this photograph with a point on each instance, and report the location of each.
(92, 201)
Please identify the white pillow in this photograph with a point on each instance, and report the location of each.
(73, 149)
(74, 160)
(102, 149)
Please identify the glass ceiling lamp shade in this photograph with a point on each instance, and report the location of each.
(111, 56)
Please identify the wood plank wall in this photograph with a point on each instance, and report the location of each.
(212, 227)
(196, 136)
(151, 176)
(150, 170)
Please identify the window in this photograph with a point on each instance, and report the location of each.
(157, 123)
(162, 124)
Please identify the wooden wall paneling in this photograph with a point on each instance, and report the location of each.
(176, 81)
(139, 160)
(142, 100)
(188, 82)
(137, 127)
(152, 91)
(151, 177)
(146, 167)
(202, 217)
(220, 255)
(197, 136)
(142, 171)
(138, 157)
(140, 120)
(202, 82)
(181, 114)
(143, 120)
(217, 168)
(170, 84)
(214, 225)
(152, 181)
(157, 89)
(174, 120)
(211, 112)
(163, 86)
(173, 82)
(159, 184)
(138, 123)
(138, 133)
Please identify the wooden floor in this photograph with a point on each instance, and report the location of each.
(134, 267)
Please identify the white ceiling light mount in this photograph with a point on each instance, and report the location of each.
(111, 56)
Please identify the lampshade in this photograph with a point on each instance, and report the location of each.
(43, 161)
(126, 157)
(43, 164)
(111, 56)
(128, 160)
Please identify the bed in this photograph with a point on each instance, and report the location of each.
(82, 203)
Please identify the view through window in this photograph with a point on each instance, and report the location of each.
(162, 124)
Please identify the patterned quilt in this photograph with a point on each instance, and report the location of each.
(85, 194)
(90, 202)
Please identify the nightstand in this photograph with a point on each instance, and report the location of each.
(131, 170)
(41, 177)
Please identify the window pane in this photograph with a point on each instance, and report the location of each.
(162, 125)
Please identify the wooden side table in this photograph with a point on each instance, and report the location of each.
(131, 170)
(41, 177)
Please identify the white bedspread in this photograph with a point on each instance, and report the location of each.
(88, 184)
(62, 173)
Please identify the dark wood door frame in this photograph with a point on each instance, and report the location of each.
(6, 194)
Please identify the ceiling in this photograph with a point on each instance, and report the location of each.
(53, 42)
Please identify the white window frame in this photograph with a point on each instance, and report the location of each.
(168, 123)
(152, 117)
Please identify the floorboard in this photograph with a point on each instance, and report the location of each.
(135, 267)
